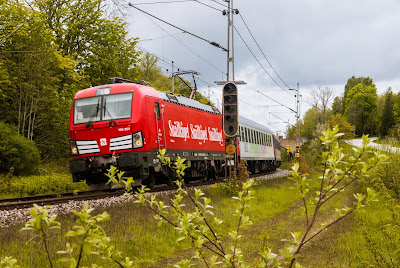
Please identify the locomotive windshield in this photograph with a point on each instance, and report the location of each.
(103, 108)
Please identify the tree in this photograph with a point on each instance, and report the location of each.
(100, 45)
(361, 103)
(337, 105)
(387, 120)
(291, 132)
(320, 99)
(344, 126)
(41, 81)
(310, 122)
(352, 82)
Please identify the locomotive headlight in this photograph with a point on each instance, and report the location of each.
(137, 140)
(74, 149)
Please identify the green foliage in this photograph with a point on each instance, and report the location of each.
(387, 174)
(59, 48)
(387, 120)
(88, 230)
(16, 152)
(9, 262)
(40, 224)
(343, 124)
(352, 82)
(337, 106)
(309, 126)
(361, 103)
(38, 185)
(339, 171)
(117, 178)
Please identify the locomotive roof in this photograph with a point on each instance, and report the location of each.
(181, 100)
(195, 104)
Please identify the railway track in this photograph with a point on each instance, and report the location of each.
(54, 199)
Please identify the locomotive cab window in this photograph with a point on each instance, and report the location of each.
(87, 109)
(103, 108)
(117, 106)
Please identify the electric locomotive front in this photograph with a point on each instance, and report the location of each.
(106, 128)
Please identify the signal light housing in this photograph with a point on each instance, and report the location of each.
(230, 109)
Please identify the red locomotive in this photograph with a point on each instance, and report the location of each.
(125, 124)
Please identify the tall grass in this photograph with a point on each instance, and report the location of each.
(38, 185)
(135, 232)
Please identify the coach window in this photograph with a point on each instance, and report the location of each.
(157, 110)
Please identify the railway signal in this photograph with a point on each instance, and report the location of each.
(288, 148)
(230, 109)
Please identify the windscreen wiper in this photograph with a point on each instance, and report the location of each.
(109, 114)
(95, 113)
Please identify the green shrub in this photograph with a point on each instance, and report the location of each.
(17, 152)
(38, 185)
(388, 173)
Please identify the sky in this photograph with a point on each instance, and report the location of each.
(313, 43)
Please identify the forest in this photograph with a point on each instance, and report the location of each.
(50, 50)
(359, 110)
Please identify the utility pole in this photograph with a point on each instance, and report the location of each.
(230, 107)
(173, 78)
(297, 114)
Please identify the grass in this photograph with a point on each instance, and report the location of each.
(54, 177)
(135, 232)
(357, 241)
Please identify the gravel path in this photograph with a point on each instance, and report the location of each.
(16, 216)
(380, 147)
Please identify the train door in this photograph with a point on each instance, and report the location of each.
(156, 122)
(159, 113)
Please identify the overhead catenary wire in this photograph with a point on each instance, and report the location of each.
(262, 51)
(163, 2)
(276, 101)
(208, 5)
(183, 44)
(258, 48)
(260, 62)
(199, 37)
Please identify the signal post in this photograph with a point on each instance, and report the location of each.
(230, 122)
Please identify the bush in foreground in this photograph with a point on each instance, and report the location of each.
(17, 152)
(38, 185)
